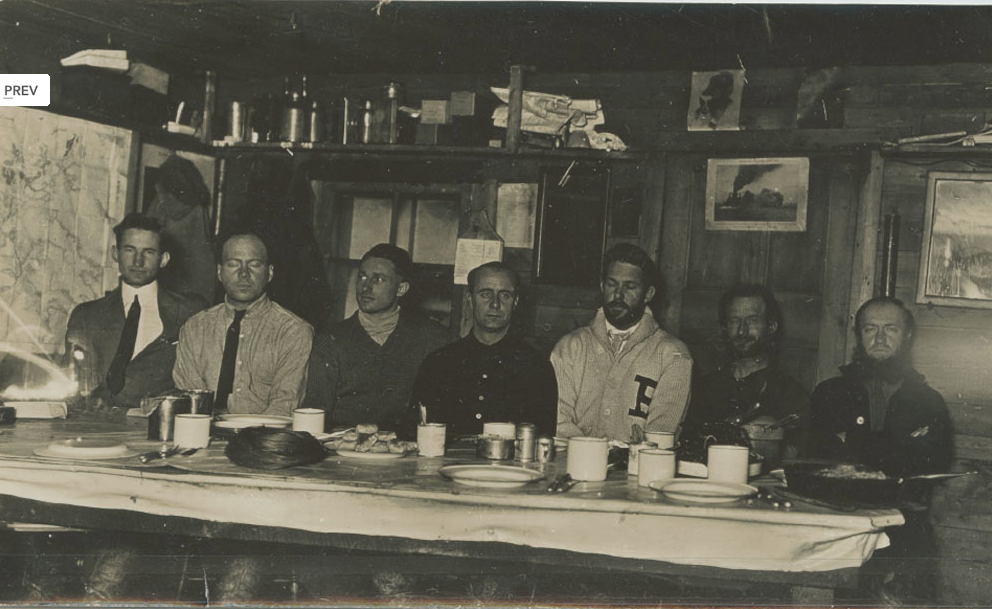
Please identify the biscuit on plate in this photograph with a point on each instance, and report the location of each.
(367, 428)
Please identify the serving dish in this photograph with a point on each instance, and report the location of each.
(702, 491)
(490, 476)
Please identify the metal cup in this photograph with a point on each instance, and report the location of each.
(162, 420)
(201, 401)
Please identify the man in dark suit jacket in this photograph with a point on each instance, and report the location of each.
(95, 328)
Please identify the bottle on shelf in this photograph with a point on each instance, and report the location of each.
(316, 123)
(293, 119)
(366, 137)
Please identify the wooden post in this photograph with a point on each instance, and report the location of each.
(866, 237)
(515, 111)
(209, 100)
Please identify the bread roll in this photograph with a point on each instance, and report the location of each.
(367, 428)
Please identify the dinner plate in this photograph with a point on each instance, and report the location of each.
(240, 421)
(86, 448)
(702, 491)
(489, 476)
(354, 454)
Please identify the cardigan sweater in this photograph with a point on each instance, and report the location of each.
(602, 394)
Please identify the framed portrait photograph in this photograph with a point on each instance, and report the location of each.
(956, 253)
(715, 101)
(757, 194)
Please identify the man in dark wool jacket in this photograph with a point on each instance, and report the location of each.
(881, 413)
(362, 369)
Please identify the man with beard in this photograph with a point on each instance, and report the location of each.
(751, 386)
(880, 412)
(622, 374)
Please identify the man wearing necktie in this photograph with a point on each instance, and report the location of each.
(123, 346)
(622, 375)
(125, 341)
(251, 352)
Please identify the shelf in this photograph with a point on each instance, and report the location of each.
(936, 150)
(422, 153)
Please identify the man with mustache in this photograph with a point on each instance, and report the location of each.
(622, 375)
(881, 413)
(251, 352)
(752, 386)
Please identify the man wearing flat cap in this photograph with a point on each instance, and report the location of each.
(362, 369)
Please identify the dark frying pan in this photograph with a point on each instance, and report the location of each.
(806, 478)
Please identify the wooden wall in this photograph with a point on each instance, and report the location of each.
(953, 351)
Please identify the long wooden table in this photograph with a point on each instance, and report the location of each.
(403, 506)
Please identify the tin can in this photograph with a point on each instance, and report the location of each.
(526, 435)
(544, 450)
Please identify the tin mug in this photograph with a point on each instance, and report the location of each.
(201, 401)
(162, 419)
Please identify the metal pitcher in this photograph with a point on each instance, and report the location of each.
(162, 411)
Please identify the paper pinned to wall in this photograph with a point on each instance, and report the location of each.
(470, 253)
(516, 208)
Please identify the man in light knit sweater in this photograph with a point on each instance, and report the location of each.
(622, 374)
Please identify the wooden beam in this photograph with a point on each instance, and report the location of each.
(673, 259)
(866, 238)
(842, 221)
(775, 140)
(652, 210)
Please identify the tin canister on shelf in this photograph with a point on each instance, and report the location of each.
(544, 449)
(526, 436)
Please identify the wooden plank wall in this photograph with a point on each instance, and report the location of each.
(953, 350)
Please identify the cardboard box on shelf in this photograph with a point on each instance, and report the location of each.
(435, 112)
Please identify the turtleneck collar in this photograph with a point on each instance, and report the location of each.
(379, 327)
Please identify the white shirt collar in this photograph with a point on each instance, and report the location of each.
(147, 295)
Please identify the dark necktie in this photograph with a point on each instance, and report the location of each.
(226, 381)
(125, 349)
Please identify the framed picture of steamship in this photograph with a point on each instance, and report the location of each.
(768, 194)
(956, 253)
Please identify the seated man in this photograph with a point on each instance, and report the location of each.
(752, 386)
(362, 369)
(124, 343)
(123, 347)
(248, 350)
(622, 374)
(881, 413)
(490, 375)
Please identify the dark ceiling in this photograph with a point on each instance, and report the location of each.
(273, 37)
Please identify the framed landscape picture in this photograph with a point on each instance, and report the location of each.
(956, 253)
(757, 194)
